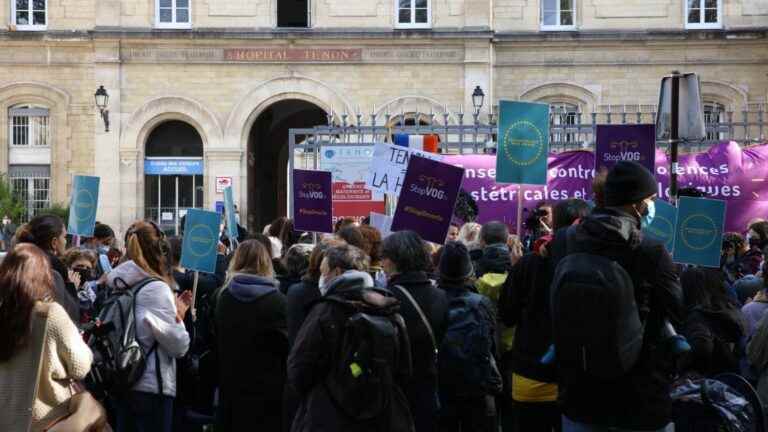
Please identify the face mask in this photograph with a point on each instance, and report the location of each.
(646, 219)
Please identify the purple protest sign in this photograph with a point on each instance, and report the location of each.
(312, 203)
(427, 198)
(632, 142)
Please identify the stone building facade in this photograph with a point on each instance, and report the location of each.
(216, 83)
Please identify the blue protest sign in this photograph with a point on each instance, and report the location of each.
(201, 236)
(523, 143)
(83, 205)
(699, 233)
(229, 206)
(663, 227)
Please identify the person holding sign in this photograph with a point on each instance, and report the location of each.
(159, 324)
(615, 383)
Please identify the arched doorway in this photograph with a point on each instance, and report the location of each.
(173, 169)
(268, 157)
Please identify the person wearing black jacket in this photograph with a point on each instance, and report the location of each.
(495, 252)
(639, 400)
(524, 303)
(459, 412)
(405, 260)
(252, 343)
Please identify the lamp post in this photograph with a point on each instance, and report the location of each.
(478, 98)
(102, 100)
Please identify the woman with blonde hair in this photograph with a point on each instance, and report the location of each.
(250, 322)
(159, 329)
(26, 304)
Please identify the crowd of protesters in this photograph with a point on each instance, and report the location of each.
(352, 331)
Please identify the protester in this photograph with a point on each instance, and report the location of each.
(757, 240)
(49, 234)
(25, 305)
(469, 378)
(525, 304)
(756, 305)
(353, 236)
(714, 325)
(274, 246)
(637, 399)
(469, 234)
(731, 261)
(276, 227)
(331, 380)
(9, 232)
(453, 233)
(83, 262)
(373, 240)
(424, 307)
(495, 255)
(343, 223)
(295, 262)
(252, 343)
(159, 329)
(289, 236)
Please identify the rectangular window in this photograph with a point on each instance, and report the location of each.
(293, 13)
(413, 13)
(29, 127)
(29, 14)
(703, 14)
(32, 185)
(173, 13)
(558, 14)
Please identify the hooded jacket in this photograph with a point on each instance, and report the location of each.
(250, 319)
(313, 355)
(640, 399)
(155, 323)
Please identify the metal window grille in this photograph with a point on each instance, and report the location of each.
(32, 185)
(29, 127)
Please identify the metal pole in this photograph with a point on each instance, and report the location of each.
(674, 135)
(177, 205)
(291, 152)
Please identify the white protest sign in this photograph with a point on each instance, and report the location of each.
(388, 166)
(382, 222)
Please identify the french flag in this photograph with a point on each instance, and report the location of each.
(427, 143)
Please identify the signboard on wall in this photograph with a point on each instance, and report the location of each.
(223, 183)
(173, 166)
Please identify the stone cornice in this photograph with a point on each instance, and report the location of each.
(570, 37)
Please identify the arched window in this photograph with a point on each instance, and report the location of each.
(174, 138)
(29, 157)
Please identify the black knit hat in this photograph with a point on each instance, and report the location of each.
(627, 183)
(455, 263)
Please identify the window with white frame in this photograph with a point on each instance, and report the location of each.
(413, 13)
(29, 127)
(29, 14)
(714, 116)
(32, 185)
(558, 14)
(173, 13)
(702, 14)
(564, 116)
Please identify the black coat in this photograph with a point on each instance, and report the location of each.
(65, 292)
(300, 298)
(715, 337)
(313, 355)
(252, 344)
(640, 399)
(524, 302)
(422, 389)
(494, 259)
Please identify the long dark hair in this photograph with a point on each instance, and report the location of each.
(41, 231)
(24, 280)
(704, 288)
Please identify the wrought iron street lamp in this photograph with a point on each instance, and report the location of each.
(102, 101)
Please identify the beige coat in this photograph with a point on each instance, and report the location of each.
(65, 357)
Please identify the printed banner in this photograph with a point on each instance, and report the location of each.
(312, 205)
(387, 170)
(699, 234)
(349, 166)
(201, 236)
(429, 194)
(229, 206)
(664, 224)
(83, 205)
(173, 166)
(635, 143)
(523, 143)
(383, 223)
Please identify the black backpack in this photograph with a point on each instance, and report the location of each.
(119, 358)
(373, 349)
(597, 329)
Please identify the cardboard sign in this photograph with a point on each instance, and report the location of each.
(382, 222)
(523, 146)
(389, 165)
(635, 143)
(699, 234)
(664, 225)
(312, 201)
(428, 197)
(229, 206)
(83, 205)
(201, 236)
